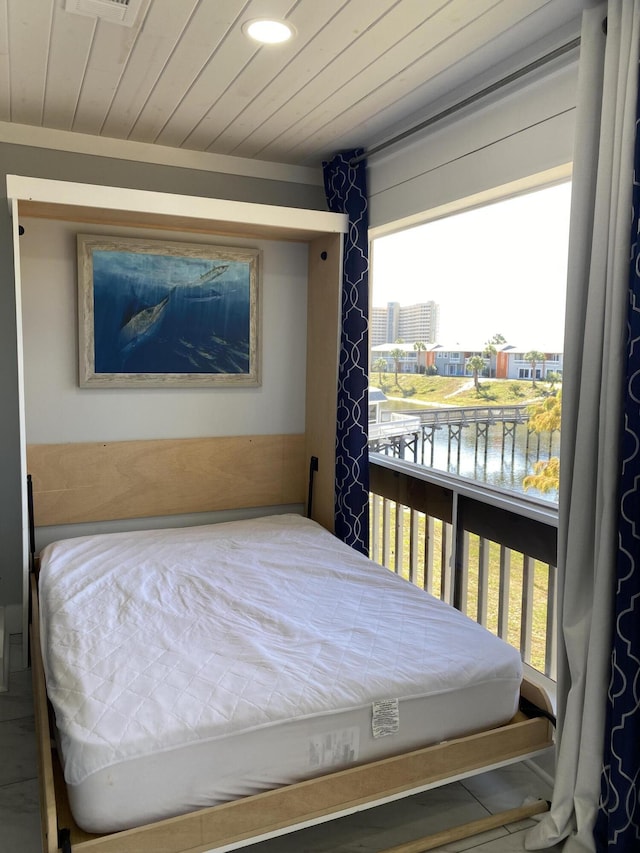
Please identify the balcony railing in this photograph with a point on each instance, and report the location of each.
(489, 553)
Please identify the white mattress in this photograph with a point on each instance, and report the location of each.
(191, 666)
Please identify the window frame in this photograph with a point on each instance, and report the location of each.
(559, 175)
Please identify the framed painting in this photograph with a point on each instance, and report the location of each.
(154, 314)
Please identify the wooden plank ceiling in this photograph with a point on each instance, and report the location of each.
(184, 75)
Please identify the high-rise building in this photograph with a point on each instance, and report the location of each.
(408, 323)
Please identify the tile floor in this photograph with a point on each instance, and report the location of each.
(366, 832)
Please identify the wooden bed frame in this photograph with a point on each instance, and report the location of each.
(294, 806)
(68, 488)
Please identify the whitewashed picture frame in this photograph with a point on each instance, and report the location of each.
(154, 313)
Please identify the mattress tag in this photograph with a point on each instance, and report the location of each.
(335, 748)
(386, 718)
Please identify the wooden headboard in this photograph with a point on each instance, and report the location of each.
(96, 481)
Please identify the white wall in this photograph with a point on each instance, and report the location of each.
(57, 410)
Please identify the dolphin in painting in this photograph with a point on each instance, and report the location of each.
(209, 275)
(142, 325)
(195, 290)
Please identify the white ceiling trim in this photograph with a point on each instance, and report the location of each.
(124, 149)
(172, 205)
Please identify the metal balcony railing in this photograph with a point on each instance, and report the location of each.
(489, 553)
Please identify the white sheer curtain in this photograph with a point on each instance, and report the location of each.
(599, 249)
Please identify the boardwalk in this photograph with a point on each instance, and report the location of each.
(486, 443)
(414, 421)
(473, 415)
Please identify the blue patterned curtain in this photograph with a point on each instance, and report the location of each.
(618, 822)
(346, 191)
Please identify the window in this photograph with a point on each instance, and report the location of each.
(495, 277)
(526, 373)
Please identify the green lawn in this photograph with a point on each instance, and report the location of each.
(414, 388)
(540, 582)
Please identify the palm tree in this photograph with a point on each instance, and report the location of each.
(396, 354)
(490, 351)
(534, 356)
(476, 364)
(419, 347)
(380, 364)
(553, 376)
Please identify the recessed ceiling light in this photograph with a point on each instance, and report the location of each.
(268, 31)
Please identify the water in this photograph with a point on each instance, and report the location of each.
(499, 454)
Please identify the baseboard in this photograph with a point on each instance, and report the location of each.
(11, 624)
(546, 773)
(13, 617)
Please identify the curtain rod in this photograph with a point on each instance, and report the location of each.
(499, 84)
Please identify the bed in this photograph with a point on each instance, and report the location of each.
(214, 685)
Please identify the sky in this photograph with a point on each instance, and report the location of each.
(495, 269)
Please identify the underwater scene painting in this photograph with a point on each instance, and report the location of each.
(167, 314)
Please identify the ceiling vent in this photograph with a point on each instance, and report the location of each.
(122, 12)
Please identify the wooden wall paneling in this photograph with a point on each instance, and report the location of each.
(97, 481)
(323, 340)
(245, 472)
